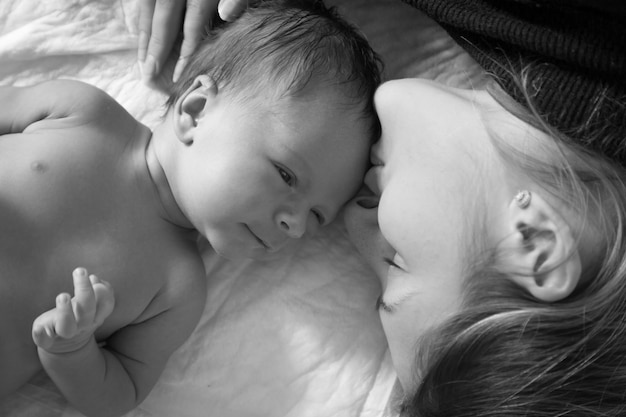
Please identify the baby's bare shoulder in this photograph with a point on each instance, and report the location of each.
(68, 96)
(24, 108)
(82, 102)
(93, 102)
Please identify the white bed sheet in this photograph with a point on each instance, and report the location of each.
(294, 337)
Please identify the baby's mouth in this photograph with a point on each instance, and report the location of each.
(263, 243)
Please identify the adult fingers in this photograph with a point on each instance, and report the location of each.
(166, 24)
(230, 10)
(198, 16)
(146, 11)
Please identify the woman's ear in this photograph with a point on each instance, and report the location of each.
(191, 106)
(541, 250)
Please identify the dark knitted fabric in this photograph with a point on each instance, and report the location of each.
(574, 52)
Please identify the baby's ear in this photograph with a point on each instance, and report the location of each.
(541, 250)
(191, 105)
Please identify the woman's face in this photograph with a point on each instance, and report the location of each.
(433, 152)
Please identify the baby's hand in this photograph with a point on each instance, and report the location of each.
(70, 325)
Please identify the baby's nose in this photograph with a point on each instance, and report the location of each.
(293, 224)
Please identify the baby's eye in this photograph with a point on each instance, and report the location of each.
(320, 217)
(286, 176)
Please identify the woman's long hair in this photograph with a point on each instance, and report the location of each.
(508, 354)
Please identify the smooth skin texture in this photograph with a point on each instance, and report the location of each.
(433, 181)
(85, 185)
(296, 163)
(76, 191)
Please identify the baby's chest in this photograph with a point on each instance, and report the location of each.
(53, 222)
(70, 191)
(61, 171)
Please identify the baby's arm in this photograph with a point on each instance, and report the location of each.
(112, 379)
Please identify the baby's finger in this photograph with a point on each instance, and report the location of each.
(105, 300)
(43, 329)
(94, 280)
(40, 337)
(65, 323)
(84, 301)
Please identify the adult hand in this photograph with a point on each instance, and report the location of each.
(160, 23)
(70, 325)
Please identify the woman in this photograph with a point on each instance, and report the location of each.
(497, 232)
(497, 250)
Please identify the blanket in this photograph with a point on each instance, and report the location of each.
(293, 337)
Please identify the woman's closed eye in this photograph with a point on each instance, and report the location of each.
(392, 262)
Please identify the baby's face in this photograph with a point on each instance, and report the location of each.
(263, 174)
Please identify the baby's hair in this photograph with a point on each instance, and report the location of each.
(286, 47)
(507, 354)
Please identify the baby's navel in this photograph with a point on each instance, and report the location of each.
(39, 167)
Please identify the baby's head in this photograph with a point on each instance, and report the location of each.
(287, 48)
(274, 116)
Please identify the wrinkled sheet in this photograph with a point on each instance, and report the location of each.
(294, 337)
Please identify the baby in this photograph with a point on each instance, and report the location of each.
(266, 136)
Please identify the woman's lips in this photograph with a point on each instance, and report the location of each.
(371, 180)
(366, 198)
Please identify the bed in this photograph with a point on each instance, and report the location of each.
(294, 337)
